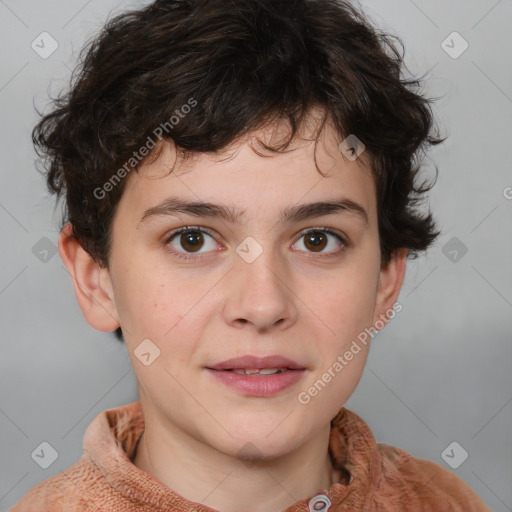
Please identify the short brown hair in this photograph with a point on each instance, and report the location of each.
(244, 62)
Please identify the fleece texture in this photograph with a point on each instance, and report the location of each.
(375, 477)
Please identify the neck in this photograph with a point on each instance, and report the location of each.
(204, 475)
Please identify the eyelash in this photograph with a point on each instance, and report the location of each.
(191, 256)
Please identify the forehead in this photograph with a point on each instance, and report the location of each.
(254, 182)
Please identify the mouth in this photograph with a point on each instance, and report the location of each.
(252, 365)
(254, 376)
(255, 372)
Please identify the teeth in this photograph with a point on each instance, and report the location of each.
(251, 372)
(263, 371)
(269, 371)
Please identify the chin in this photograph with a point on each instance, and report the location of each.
(253, 450)
(261, 441)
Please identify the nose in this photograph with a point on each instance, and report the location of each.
(260, 293)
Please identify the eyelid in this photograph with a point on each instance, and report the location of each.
(187, 255)
(323, 229)
(184, 229)
(184, 255)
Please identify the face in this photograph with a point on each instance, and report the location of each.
(269, 278)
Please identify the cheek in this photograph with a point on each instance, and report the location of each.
(345, 306)
(147, 305)
(170, 313)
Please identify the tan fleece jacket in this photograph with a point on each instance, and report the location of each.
(376, 477)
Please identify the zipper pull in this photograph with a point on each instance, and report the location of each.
(320, 503)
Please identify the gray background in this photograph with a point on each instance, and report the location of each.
(439, 372)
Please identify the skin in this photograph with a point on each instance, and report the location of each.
(291, 301)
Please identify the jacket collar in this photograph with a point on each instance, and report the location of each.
(110, 443)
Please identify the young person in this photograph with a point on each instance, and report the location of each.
(239, 180)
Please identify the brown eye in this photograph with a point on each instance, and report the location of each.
(316, 241)
(191, 241)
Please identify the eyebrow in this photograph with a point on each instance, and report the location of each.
(174, 205)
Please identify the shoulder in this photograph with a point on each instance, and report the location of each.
(61, 492)
(424, 483)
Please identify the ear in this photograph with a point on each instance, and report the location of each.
(390, 284)
(92, 283)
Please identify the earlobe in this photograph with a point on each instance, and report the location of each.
(92, 284)
(390, 283)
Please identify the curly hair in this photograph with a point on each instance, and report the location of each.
(236, 65)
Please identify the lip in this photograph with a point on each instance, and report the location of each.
(258, 386)
(265, 385)
(257, 363)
